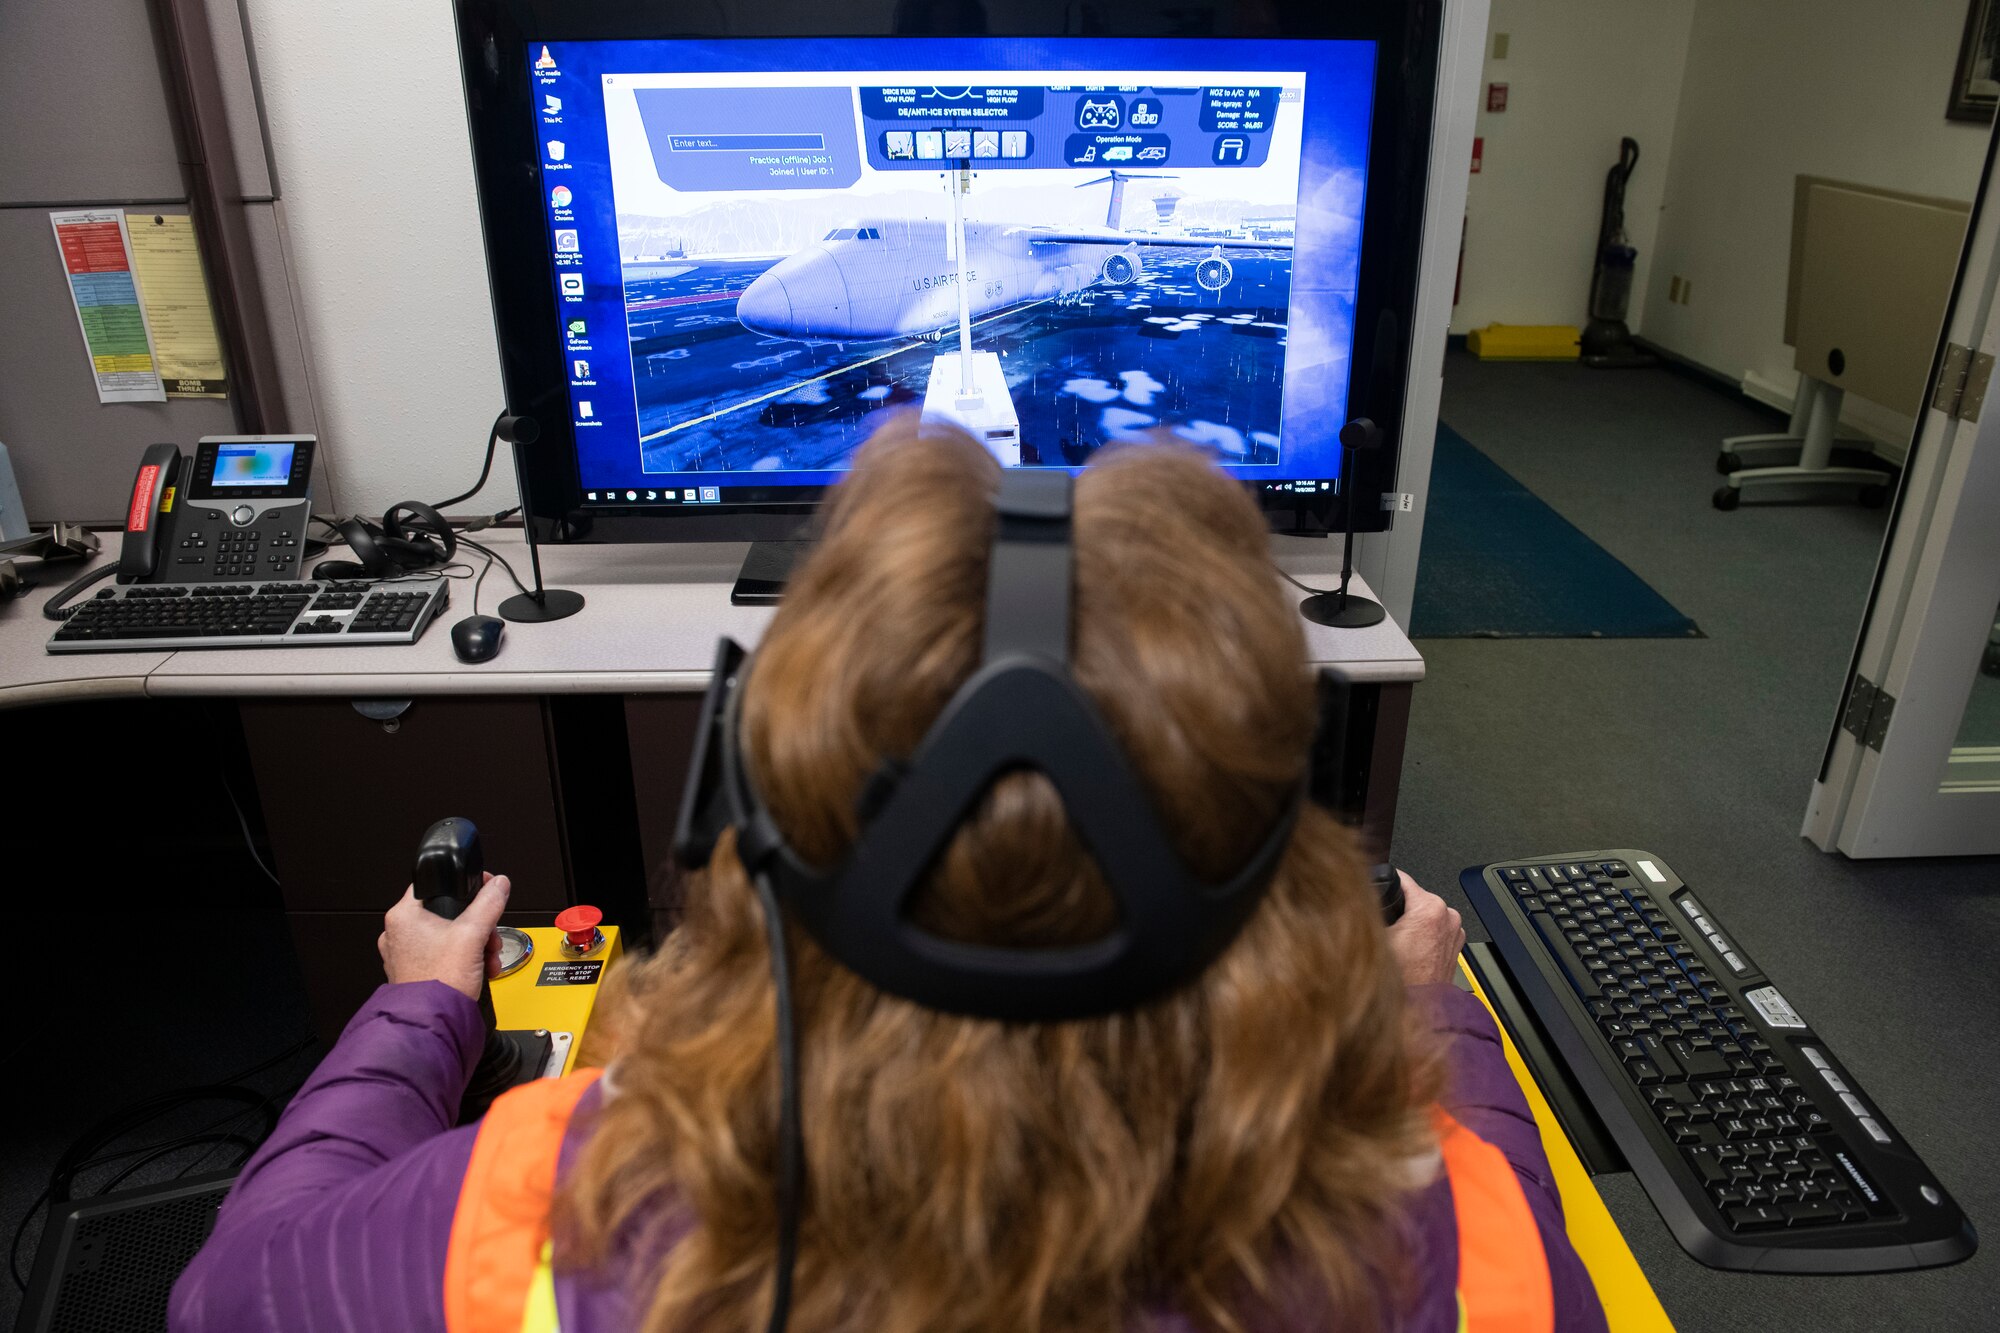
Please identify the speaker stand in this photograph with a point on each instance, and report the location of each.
(542, 604)
(1341, 609)
(536, 608)
(1337, 608)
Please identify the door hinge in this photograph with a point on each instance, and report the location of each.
(1961, 384)
(1868, 712)
(1398, 502)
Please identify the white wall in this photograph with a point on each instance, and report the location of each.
(1853, 89)
(367, 126)
(1580, 74)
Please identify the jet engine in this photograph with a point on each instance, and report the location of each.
(1214, 272)
(1120, 268)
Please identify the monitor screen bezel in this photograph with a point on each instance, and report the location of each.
(494, 41)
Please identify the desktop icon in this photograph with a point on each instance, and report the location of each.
(576, 326)
(551, 104)
(556, 150)
(583, 412)
(560, 196)
(580, 369)
(545, 60)
(572, 284)
(566, 242)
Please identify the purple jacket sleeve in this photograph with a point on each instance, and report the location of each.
(341, 1219)
(1481, 1094)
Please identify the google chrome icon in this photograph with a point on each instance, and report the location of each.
(560, 196)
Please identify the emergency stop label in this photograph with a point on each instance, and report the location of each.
(570, 974)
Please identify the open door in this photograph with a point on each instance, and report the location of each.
(1913, 765)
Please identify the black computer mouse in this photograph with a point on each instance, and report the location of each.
(477, 638)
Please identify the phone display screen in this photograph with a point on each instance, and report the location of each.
(253, 464)
(238, 468)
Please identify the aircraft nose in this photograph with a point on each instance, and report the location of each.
(804, 296)
(765, 305)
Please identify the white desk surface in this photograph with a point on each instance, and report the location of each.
(650, 621)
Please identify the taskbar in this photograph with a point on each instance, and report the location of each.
(682, 496)
(701, 495)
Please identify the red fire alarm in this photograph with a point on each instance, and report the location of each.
(1478, 152)
(1496, 97)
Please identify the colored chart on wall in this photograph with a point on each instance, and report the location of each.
(97, 258)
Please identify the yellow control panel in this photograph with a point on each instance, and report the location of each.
(556, 986)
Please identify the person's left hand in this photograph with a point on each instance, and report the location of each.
(418, 945)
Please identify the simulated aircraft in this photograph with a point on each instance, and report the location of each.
(897, 277)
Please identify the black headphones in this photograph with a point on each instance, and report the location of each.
(413, 537)
(1021, 709)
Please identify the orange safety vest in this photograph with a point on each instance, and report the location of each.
(497, 1276)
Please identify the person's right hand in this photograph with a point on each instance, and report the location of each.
(1427, 938)
(417, 945)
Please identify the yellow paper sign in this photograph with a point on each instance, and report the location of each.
(167, 263)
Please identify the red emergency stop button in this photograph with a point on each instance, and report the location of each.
(579, 925)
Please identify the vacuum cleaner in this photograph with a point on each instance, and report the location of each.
(1607, 343)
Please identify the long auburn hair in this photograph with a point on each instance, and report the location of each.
(1241, 1148)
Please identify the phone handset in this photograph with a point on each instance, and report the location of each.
(147, 512)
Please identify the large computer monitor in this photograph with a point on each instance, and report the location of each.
(724, 239)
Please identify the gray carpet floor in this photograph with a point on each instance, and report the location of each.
(1703, 751)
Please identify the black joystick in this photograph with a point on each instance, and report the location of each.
(1389, 888)
(449, 872)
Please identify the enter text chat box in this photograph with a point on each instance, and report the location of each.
(751, 138)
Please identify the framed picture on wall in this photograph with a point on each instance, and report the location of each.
(1975, 88)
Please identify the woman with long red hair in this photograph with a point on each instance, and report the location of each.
(1318, 1132)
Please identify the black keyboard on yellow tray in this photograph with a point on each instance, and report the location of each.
(1758, 1147)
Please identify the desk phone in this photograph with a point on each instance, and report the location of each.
(237, 510)
(213, 550)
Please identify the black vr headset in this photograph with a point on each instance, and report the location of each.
(1022, 709)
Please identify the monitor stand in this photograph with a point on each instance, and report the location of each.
(766, 570)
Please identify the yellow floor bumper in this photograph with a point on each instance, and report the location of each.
(1525, 342)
